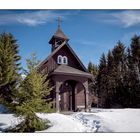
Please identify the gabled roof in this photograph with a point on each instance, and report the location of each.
(57, 49)
(67, 70)
(45, 60)
(59, 34)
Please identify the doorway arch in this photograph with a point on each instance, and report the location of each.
(72, 96)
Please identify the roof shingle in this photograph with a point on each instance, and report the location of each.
(64, 69)
(59, 33)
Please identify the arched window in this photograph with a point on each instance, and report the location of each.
(59, 59)
(65, 60)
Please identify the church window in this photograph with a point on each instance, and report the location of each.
(62, 60)
(65, 60)
(59, 59)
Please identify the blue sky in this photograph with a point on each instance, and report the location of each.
(91, 32)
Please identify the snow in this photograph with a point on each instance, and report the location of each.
(63, 123)
(98, 120)
(7, 120)
(120, 120)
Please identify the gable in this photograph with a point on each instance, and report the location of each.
(72, 60)
(50, 63)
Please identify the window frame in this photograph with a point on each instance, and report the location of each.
(66, 60)
(59, 59)
(62, 60)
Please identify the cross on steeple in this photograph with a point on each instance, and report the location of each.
(59, 21)
(59, 37)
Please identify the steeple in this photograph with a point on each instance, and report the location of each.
(58, 38)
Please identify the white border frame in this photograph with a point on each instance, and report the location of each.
(69, 4)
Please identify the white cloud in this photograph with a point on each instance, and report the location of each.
(127, 18)
(29, 18)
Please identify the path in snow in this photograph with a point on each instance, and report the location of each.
(92, 122)
(65, 123)
(115, 120)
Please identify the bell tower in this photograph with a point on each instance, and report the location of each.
(59, 37)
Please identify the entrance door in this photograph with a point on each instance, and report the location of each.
(67, 100)
(71, 92)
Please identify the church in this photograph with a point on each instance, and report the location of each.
(67, 75)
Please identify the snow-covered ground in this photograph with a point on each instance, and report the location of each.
(98, 120)
(63, 123)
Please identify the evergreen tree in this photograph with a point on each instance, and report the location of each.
(118, 79)
(134, 73)
(9, 67)
(93, 69)
(128, 82)
(32, 98)
(111, 87)
(135, 51)
(101, 82)
(110, 83)
(119, 71)
(90, 65)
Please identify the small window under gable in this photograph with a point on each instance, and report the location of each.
(62, 60)
(59, 59)
(65, 60)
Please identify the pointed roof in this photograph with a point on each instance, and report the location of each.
(59, 34)
(56, 50)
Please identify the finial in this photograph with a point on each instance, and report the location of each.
(59, 21)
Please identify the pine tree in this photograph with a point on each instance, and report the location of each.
(101, 82)
(90, 67)
(110, 83)
(119, 71)
(93, 69)
(135, 51)
(9, 67)
(129, 78)
(134, 74)
(111, 77)
(118, 79)
(32, 99)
